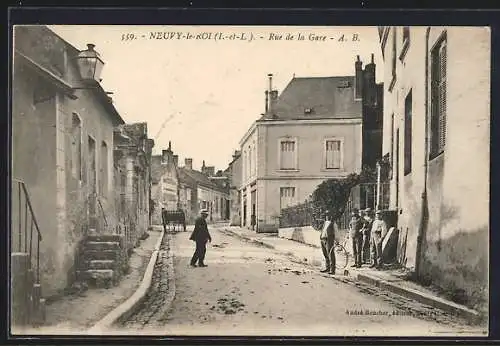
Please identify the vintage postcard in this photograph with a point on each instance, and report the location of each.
(250, 180)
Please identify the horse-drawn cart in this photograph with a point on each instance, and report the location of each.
(174, 220)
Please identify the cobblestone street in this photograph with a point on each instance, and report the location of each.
(232, 296)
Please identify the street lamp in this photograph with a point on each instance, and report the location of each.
(89, 64)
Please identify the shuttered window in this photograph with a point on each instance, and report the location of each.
(438, 99)
(408, 133)
(333, 154)
(288, 154)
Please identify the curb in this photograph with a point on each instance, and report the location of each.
(436, 302)
(424, 298)
(127, 308)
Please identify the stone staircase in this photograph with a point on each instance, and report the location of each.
(102, 259)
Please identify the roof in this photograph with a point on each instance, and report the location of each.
(46, 48)
(193, 176)
(327, 97)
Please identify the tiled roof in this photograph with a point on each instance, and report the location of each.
(191, 175)
(326, 97)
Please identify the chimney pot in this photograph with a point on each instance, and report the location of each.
(357, 56)
(373, 58)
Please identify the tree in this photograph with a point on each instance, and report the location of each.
(332, 195)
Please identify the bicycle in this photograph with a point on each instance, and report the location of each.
(342, 254)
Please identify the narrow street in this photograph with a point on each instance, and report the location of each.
(232, 296)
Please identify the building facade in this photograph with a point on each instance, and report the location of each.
(165, 183)
(62, 149)
(436, 128)
(233, 172)
(198, 191)
(132, 166)
(312, 132)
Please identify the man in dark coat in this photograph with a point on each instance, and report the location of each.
(355, 226)
(200, 235)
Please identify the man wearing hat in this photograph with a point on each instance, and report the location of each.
(355, 226)
(367, 226)
(200, 235)
(379, 230)
(327, 239)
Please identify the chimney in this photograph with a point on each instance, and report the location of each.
(169, 146)
(176, 160)
(267, 101)
(358, 65)
(369, 93)
(188, 163)
(164, 157)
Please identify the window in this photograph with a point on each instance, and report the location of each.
(333, 154)
(76, 147)
(104, 169)
(406, 34)
(406, 42)
(393, 169)
(408, 133)
(250, 168)
(288, 154)
(287, 196)
(438, 98)
(394, 59)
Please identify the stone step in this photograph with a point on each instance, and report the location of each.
(102, 264)
(102, 245)
(98, 277)
(89, 255)
(105, 238)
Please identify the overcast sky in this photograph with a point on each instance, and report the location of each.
(209, 92)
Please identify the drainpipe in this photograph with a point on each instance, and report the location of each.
(423, 218)
(377, 207)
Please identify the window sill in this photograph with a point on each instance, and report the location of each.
(287, 170)
(404, 50)
(336, 170)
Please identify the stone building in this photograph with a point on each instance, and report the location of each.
(436, 130)
(132, 166)
(198, 191)
(313, 131)
(165, 183)
(233, 172)
(62, 149)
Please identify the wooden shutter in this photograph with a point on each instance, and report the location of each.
(442, 96)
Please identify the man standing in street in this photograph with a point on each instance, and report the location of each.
(200, 235)
(327, 238)
(367, 227)
(355, 226)
(379, 230)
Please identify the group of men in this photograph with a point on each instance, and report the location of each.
(366, 233)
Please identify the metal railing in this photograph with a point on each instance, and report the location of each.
(25, 225)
